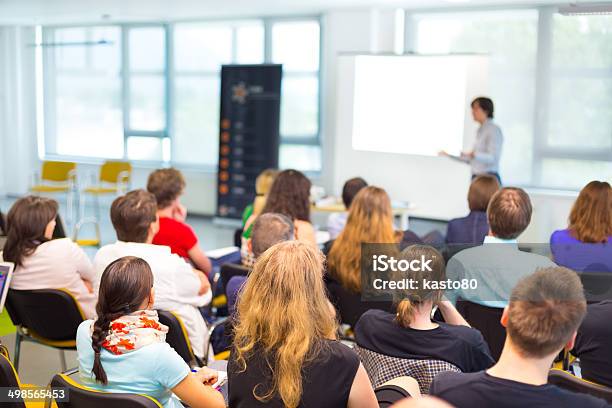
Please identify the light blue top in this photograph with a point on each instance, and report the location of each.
(152, 370)
(487, 149)
(335, 223)
(495, 267)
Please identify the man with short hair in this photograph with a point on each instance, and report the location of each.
(178, 287)
(495, 267)
(268, 230)
(544, 313)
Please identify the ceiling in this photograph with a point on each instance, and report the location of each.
(67, 11)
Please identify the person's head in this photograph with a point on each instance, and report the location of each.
(290, 195)
(509, 212)
(270, 229)
(263, 184)
(481, 190)
(126, 286)
(30, 222)
(166, 185)
(370, 220)
(482, 109)
(544, 313)
(591, 216)
(350, 190)
(283, 311)
(410, 301)
(134, 216)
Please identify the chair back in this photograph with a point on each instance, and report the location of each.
(177, 336)
(382, 368)
(349, 305)
(58, 171)
(487, 321)
(83, 397)
(116, 172)
(49, 315)
(9, 378)
(567, 381)
(229, 270)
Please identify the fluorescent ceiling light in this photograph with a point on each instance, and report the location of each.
(575, 9)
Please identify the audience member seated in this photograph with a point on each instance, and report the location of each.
(498, 264)
(545, 311)
(394, 341)
(263, 184)
(267, 230)
(586, 245)
(178, 286)
(473, 228)
(167, 186)
(125, 351)
(370, 220)
(42, 262)
(594, 344)
(337, 221)
(290, 196)
(285, 349)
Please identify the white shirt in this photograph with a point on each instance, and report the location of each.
(335, 223)
(175, 282)
(487, 149)
(58, 264)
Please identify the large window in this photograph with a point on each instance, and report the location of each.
(151, 92)
(551, 79)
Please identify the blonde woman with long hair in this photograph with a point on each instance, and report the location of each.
(285, 349)
(370, 220)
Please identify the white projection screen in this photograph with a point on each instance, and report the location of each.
(415, 104)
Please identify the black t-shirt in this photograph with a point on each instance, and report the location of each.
(462, 346)
(326, 380)
(468, 390)
(594, 344)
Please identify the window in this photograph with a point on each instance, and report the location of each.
(551, 79)
(83, 73)
(151, 92)
(296, 45)
(199, 51)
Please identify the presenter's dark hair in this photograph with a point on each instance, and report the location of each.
(486, 104)
(290, 195)
(125, 284)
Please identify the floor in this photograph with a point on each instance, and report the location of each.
(38, 364)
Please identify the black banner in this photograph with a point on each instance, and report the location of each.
(249, 132)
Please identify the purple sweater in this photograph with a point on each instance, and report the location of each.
(580, 256)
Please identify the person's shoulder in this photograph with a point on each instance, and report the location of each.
(466, 333)
(577, 399)
(339, 353)
(561, 236)
(373, 319)
(59, 244)
(84, 329)
(450, 380)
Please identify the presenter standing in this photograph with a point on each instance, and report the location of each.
(484, 157)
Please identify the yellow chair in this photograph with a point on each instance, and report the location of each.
(57, 177)
(114, 178)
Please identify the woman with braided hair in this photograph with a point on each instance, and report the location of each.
(124, 350)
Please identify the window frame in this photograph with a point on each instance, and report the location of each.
(49, 68)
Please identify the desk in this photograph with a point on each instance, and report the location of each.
(400, 210)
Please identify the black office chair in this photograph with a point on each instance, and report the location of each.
(597, 285)
(349, 305)
(238, 237)
(9, 378)
(84, 397)
(45, 316)
(177, 337)
(487, 321)
(229, 270)
(387, 395)
(567, 381)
